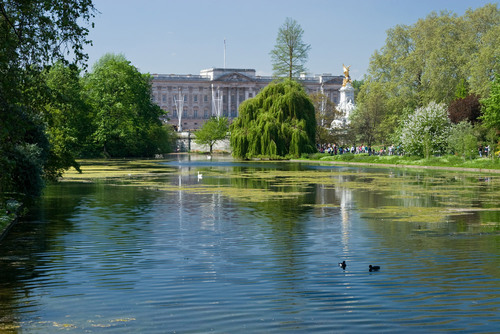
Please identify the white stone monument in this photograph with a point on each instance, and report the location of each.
(346, 103)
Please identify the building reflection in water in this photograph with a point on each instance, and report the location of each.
(345, 197)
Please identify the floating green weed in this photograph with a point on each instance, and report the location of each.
(113, 169)
(406, 196)
(410, 214)
(321, 205)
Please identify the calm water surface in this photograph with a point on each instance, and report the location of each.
(254, 247)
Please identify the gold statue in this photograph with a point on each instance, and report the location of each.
(346, 70)
(347, 78)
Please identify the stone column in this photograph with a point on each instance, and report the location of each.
(229, 102)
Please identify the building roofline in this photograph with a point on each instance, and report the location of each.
(214, 73)
(229, 69)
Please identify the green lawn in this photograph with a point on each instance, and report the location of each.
(443, 161)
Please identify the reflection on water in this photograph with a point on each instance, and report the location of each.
(254, 247)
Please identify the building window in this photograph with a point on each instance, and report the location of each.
(195, 113)
(233, 113)
(242, 98)
(164, 98)
(205, 114)
(195, 98)
(250, 95)
(185, 98)
(205, 98)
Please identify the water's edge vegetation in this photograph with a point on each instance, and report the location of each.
(447, 162)
(9, 214)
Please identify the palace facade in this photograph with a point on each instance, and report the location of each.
(219, 92)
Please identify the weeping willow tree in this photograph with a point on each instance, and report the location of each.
(278, 122)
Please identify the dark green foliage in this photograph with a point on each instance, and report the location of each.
(67, 117)
(159, 140)
(278, 122)
(123, 115)
(24, 151)
(33, 34)
(39, 32)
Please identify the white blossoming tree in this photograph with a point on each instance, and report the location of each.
(426, 130)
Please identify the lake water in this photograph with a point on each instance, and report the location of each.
(254, 247)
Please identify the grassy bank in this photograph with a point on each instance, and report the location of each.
(443, 161)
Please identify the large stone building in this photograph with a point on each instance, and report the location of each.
(218, 91)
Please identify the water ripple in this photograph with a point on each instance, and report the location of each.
(120, 263)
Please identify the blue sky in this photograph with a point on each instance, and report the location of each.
(186, 36)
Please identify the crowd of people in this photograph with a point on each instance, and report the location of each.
(483, 151)
(334, 149)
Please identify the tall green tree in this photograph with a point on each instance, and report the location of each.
(278, 122)
(491, 106)
(39, 32)
(429, 60)
(483, 39)
(33, 34)
(212, 131)
(462, 90)
(325, 109)
(357, 84)
(462, 141)
(123, 113)
(67, 117)
(325, 112)
(369, 114)
(290, 53)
